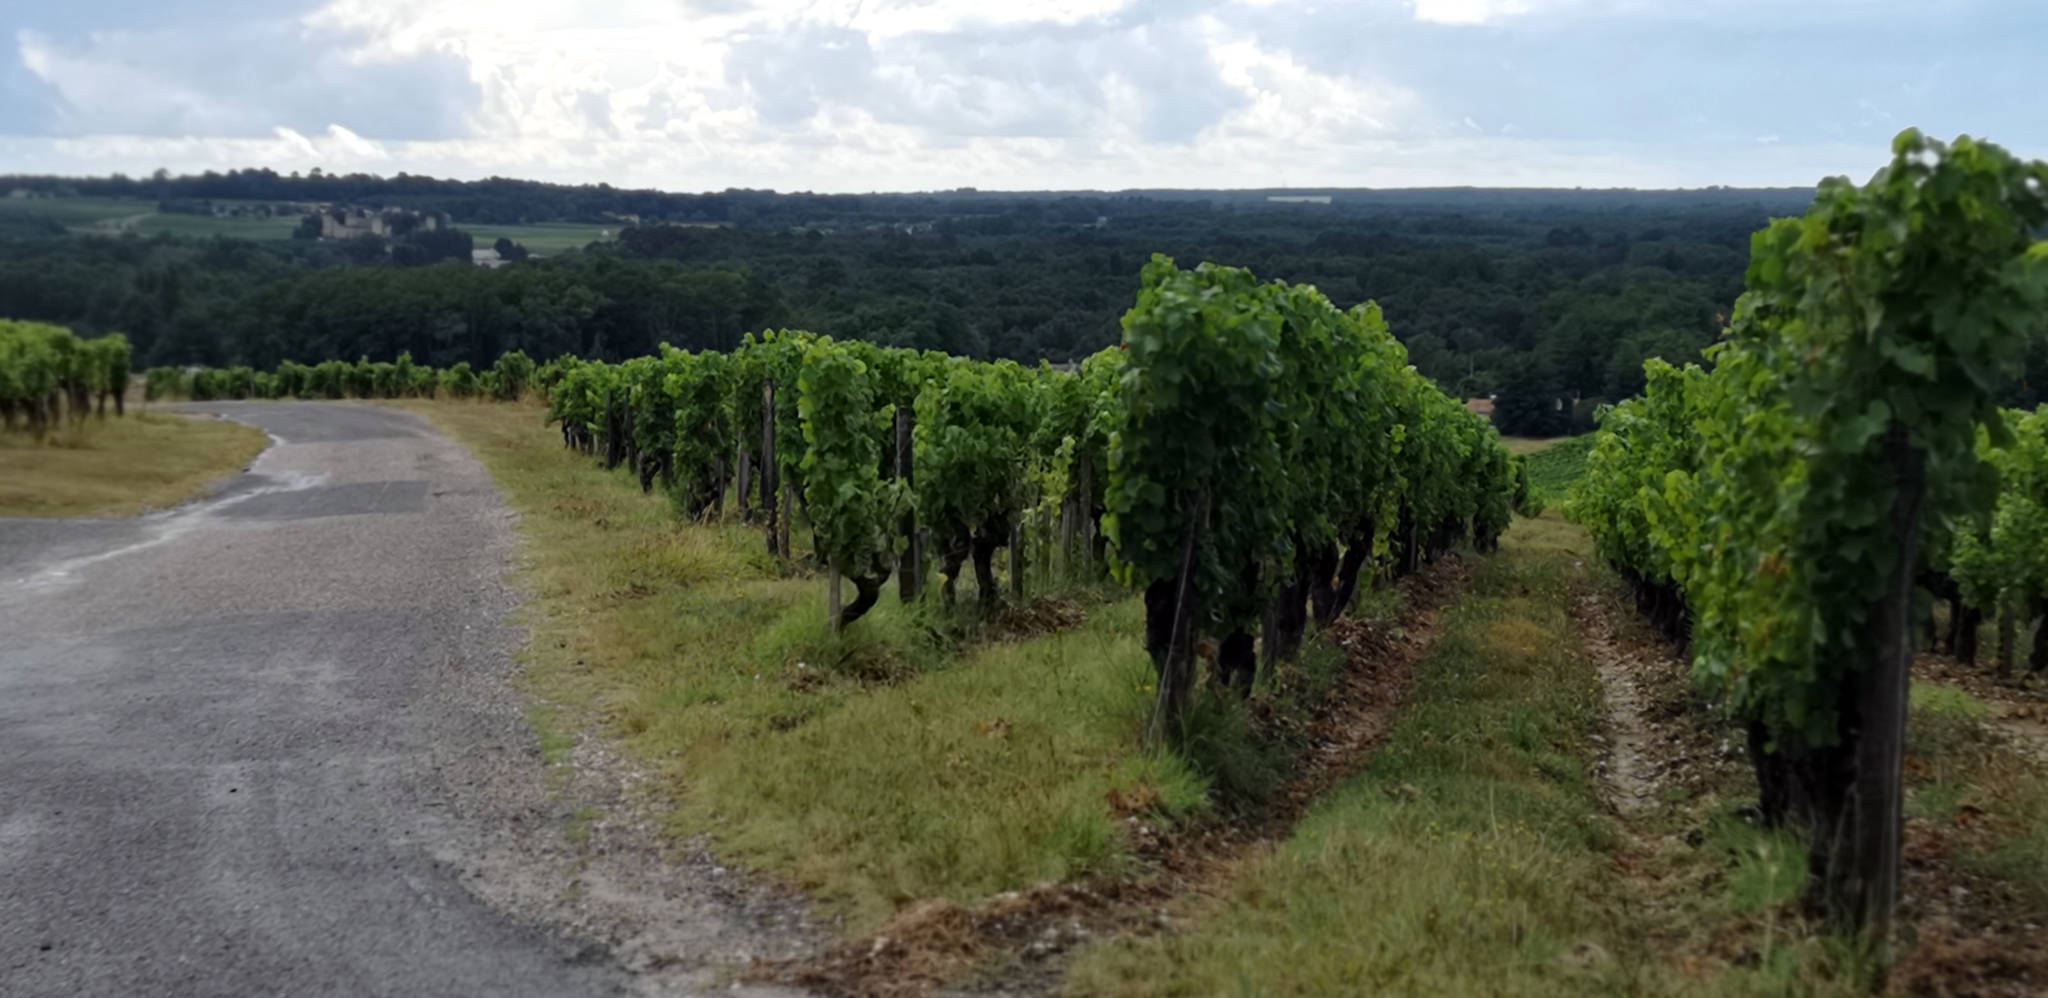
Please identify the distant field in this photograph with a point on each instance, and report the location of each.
(1556, 467)
(202, 226)
(139, 215)
(545, 237)
(77, 212)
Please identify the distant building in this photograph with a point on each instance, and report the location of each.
(343, 222)
(1482, 406)
(487, 257)
(23, 194)
(1298, 198)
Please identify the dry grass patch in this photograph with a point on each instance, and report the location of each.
(120, 466)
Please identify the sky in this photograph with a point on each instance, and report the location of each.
(861, 95)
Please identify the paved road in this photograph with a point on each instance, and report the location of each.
(225, 736)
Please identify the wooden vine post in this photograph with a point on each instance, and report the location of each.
(910, 565)
(2008, 633)
(1176, 668)
(833, 604)
(1866, 880)
(768, 470)
(1084, 504)
(1070, 522)
(1017, 562)
(788, 504)
(1046, 546)
(741, 479)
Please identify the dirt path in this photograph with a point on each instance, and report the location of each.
(1021, 939)
(1629, 772)
(2025, 725)
(1661, 744)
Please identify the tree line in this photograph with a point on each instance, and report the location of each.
(1549, 300)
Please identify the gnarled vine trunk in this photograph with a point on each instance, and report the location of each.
(867, 588)
(1237, 663)
(1322, 583)
(1963, 621)
(1356, 554)
(2037, 660)
(1286, 621)
(985, 571)
(2008, 633)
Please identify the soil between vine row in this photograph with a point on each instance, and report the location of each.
(1669, 763)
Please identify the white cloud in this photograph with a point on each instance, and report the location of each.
(886, 94)
(112, 83)
(297, 143)
(1290, 102)
(1468, 11)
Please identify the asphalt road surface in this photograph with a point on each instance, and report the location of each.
(222, 740)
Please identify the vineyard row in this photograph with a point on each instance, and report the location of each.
(1242, 458)
(48, 375)
(1779, 510)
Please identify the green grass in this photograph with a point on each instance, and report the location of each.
(1468, 857)
(208, 226)
(543, 237)
(139, 215)
(1958, 764)
(888, 764)
(1472, 855)
(77, 212)
(121, 466)
(989, 775)
(577, 828)
(2019, 852)
(1554, 469)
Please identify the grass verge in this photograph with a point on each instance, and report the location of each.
(1475, 853)
(898, 761)
(121, 466)
(1469, 856)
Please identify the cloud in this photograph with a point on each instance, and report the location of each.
(240, 79)
(880, 94)
(1467, 11)
(853, 152)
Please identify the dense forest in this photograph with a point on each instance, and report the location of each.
(1550, 299)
